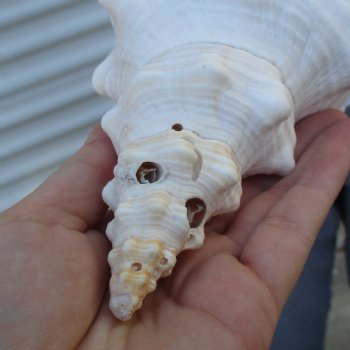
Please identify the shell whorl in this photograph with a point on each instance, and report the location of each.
(215, 91)
(306, 40)
(206, 93)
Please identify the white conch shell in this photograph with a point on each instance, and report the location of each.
(206, 92)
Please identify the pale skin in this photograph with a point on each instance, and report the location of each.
(227, 295)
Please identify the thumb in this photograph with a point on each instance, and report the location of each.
(75, 188)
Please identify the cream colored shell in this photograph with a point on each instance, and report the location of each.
(206, 92)
(129, 284)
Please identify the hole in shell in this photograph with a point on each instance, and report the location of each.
(177, 127)
(148, 173)
(136, 267)
(196, 209)
(163, 261)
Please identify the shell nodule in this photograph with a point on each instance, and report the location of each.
(136, 266)
(208, 98)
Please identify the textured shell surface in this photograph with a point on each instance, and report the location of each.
(206, 93)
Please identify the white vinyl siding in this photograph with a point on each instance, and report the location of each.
(48, 51)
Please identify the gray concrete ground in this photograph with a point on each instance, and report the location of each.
(338, 334)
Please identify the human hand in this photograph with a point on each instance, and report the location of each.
(53, 258)
(226, 295)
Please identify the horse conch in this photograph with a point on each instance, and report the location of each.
(206, 92)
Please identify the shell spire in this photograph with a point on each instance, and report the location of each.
(206, 93)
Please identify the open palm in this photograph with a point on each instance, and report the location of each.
(226, 295)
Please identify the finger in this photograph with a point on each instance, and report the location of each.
(219, 224)
(309, 128)
(278, 248)
(72, 195)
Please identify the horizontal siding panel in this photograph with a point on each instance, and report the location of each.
(17, 11)
(63, 90)
(62, 24)
(44, 65)
(49, 52)
(54, 125)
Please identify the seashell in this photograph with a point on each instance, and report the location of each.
(206, 93)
